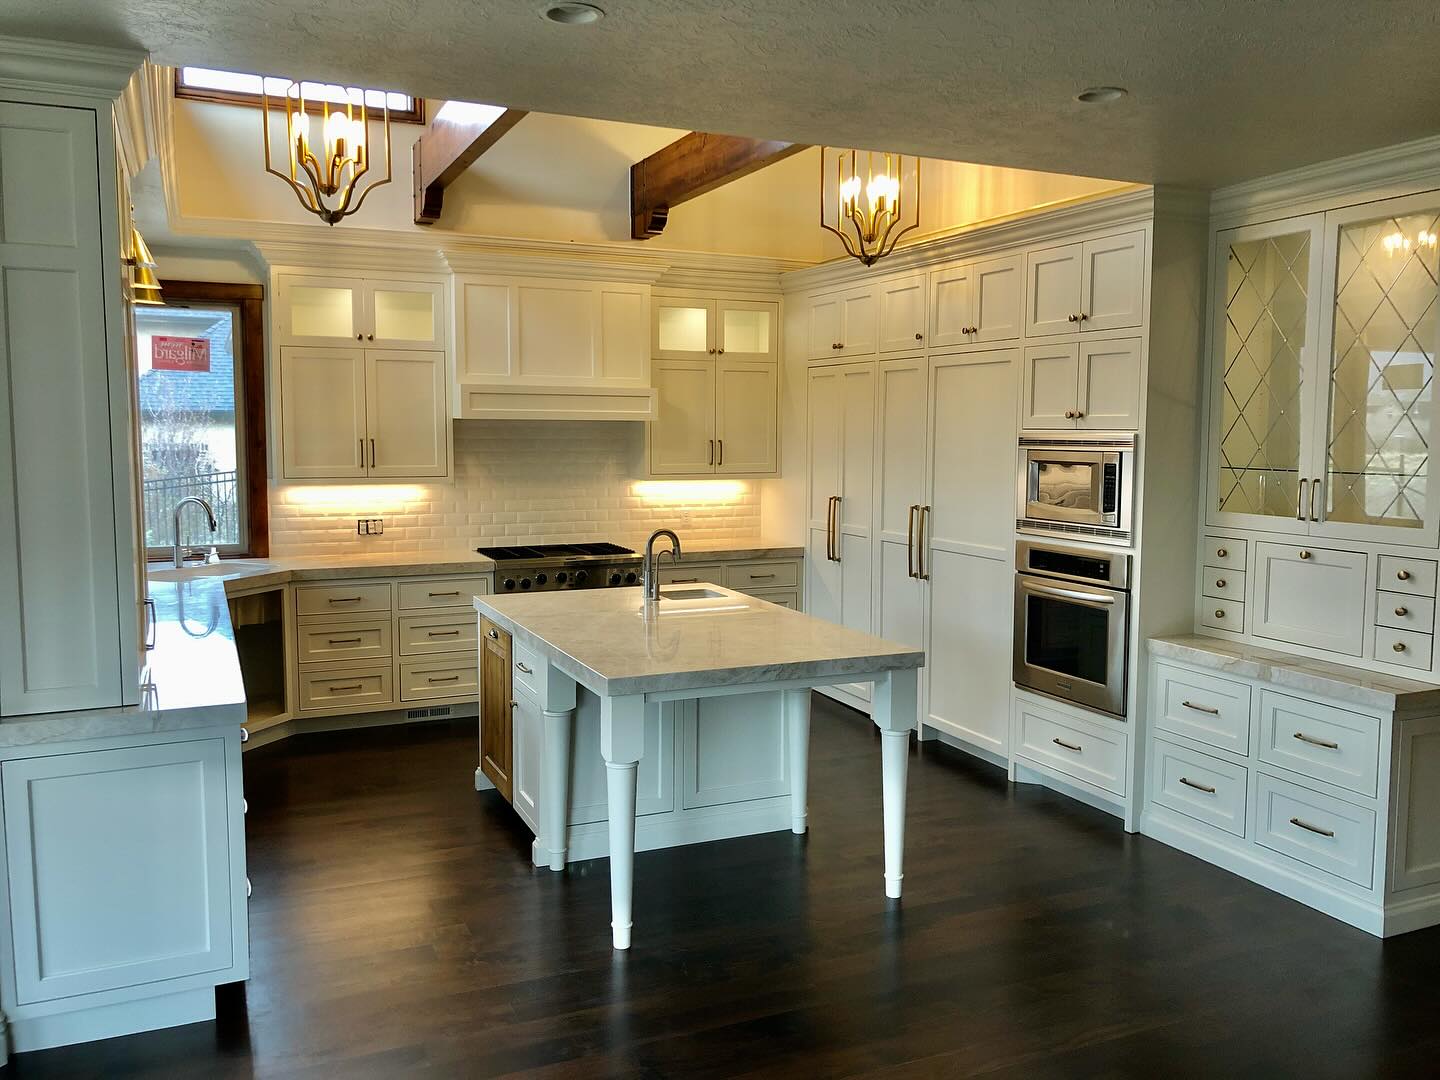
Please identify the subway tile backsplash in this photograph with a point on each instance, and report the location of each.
(516, 481)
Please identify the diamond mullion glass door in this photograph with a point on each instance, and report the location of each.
(1379, 339)
(1263, 436)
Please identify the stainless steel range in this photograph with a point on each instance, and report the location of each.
(545, 567)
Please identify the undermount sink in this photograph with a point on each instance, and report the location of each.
(691, 594)
(185, 573)
(693, 600)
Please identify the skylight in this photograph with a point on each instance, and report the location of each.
(238, 87)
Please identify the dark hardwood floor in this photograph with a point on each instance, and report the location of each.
(397, 929)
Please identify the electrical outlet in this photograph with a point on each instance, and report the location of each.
(685, 515)
(369, 526)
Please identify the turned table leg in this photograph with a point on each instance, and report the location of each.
(797, 722)
(622, 742)
(894, 713)
(555, 785)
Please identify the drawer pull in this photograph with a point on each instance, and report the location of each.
(761, 577)
(493, 634)
(1066, 745)
(1219, 583)
(1399, 646)
(524, 667)
(1304, 554)
(1313, 741)
(345, 599)
(344, 640)
(1197, 786)
(1402, 575)
(1221, 553)
(1201, 708)
(244, 735)
(1219, 613)
(1301, 824)
(443, 633)
(452, 592)
(684, 581)
(443, 678)
(347, 686)
(1402, 611)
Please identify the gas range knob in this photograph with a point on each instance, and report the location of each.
(509, 584)
(630, 578)
(540, 579)
(614, 577)
(525, 583)
(561, 577)
(582, 576)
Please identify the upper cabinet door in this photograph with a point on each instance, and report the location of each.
(322, 414)
(1109, 392)
(998, 290)
(951, 306)
(1266, 281)
(745, 408)
(860, 322)
(747, 330)
(407, 419)
(684, 329)
(1113, 282)
(902, 314)
(1052, 303)
(824, 327)
(405, 314)
(682, 435)
(313, 310)
(1378, 339)
(1051, 379)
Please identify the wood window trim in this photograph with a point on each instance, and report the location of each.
(250, 300)
(415, 115)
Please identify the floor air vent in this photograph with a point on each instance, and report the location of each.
(425, 714)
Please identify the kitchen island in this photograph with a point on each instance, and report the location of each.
(694, 644)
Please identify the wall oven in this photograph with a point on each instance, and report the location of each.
(1077, 484)
(1072, 624)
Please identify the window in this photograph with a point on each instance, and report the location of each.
(200, 360)
(239, 88)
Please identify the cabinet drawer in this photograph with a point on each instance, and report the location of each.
(786, 598)
(688, 574)
(1086, 752)
(1408, 647)
(1199, 786)
(1220, 584)
(421, 635)
(1401, 574)
(1204, 707)
(334, 639)
(1309, 596)
(762, 575)
(342, 599)
(1318, 830)
(1222, 614)
(1224, 553)
(1330, 744)
(525, 668)
(333, 687)
(446, 677)
(1405, 612)
(441, 592)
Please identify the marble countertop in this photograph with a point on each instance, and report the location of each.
(601, 638)
(191, 677)
(1371, 689)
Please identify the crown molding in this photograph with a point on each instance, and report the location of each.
(61, 67)
(1133, 204)
(691, 271)
(550, 258)
(1389, 170)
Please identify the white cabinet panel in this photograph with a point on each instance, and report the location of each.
(624, 332)
(1199, 786)
(1052, 302)
(1203, 707)
(902, 314)
(316, 310)
(682, 436)
(734, 749)
(407, 419)
(555, 330)
(684, 329)
(900, 452)
(482, 322)
(861, 322)
(1072, 746)
(972, 413)
(824, 327)
(1316, 829)
(655, 776)
(1109, 385)
(526, 746)
(1113, 284)
(404, 314)
(745, 418)
(747, 330)
(998, 291)
(1310, 596)
(970, 613)
(1051, 376)
(322, 413)
(1320, 741)
(89, 836)
(951, 305)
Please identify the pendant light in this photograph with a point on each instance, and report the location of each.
(328, 148)
(144, 287)
(869, 199)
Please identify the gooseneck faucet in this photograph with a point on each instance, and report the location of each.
(178, 555)
(651, 580)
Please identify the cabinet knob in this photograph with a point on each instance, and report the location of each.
(1219, 583)
(720, 352)
(1402, 611)
(359, 337)
(1069, 414)
(1403, 575)
(837, 345)
(1079, 414)
(369, 337)
(1220, 553)
(1304, 554)
(1399, 646)
(919, 337)
(1219, 613)
(974, 329)
(712, 351)
(1072, 318)
(1083, 316)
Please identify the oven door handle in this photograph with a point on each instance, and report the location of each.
(1068, 594)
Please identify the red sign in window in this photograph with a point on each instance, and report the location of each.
(179, 353)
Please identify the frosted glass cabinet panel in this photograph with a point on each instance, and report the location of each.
(318, 310)
(684, 330)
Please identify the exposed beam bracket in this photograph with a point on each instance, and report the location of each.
(454, 141)
(692, 165)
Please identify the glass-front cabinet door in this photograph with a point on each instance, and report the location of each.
(684, 329)
(1380, 334)
(1266, 277)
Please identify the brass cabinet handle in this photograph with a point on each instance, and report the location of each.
(1201, 708)
(1399, 646)
(974, 329)
(1402, 575)
(1221, 553)
(910, 541)
(1300, 501)
(1219, 613)
(1066, 745)
(721, 459)
(1313, 741)
(1069, 414)
(442, 633)
(1198, 787)
(345, 599)
(442, 678)
(347, 686)
(524, 667)
(1304, 554)
(1072, 318)
(684, 580)
(344, 640)
(720, 352)
(452, 592)
(1311, 828)
(1314, 487)
(1084, 315)
(1402, 611)
(359, 337)
(921, 571)
(493, 634)
(1219, 583)
(712, 451)
(372, 453)
(369, 337)
(1079, 414)
(761, 577)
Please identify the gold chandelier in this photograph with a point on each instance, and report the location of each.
(326, 176)
(868, 199)
(144, 287)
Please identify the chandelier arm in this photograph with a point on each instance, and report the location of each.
(845, 241)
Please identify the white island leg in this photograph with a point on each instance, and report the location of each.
(622, 742)
(894, 707)
(555, 786)
(797, 722)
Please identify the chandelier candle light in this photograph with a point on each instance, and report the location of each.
(325, 177)
(868, 199)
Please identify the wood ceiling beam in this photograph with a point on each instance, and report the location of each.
(449, 146)
(692, 165)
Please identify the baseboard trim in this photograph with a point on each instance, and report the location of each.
(1024, 771)
(110, 1021)
(304, 725)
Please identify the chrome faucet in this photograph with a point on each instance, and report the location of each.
(651, 580)
(178, 555)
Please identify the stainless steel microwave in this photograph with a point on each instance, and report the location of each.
(1077, 484)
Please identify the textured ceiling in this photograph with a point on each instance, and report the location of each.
(1220, 90)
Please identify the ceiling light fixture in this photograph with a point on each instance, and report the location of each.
(144, 288)
(869, 202)
(572, 14)
(1100, 95)
(325, 176)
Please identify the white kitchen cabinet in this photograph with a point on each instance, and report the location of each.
(1089, 385)
(682, 435)
(976, 302)
(714, 418)
(746, 435)
(841, 326)
(900, 465)
(733, 750)
(684, 328)
(1051, 379)
(526, 744)
(353, 413)
(902, 314)
(1052, 291)
(315, 309)
(747, 330)
(1098, 284)
(1306, 595)
(690, 328)
(69, 592)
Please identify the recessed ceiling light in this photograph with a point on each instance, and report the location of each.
(1098, 95)
(572, 14)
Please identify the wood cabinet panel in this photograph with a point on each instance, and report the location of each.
(495, 710)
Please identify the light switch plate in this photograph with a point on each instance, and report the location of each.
(369, 526)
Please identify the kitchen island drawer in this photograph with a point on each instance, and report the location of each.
(1320, 741)
(443, 677)
(692, 574)
(786, 598)
(342, 599)
(333, 686)
(342, 639)
(1203, 707)
(1084, 751)
(525, 669)
(1316, 829)
(762, 575)
(451, 592)
(422, 635)
(1199, 786)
